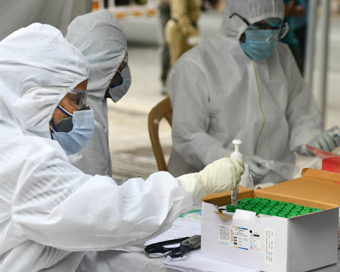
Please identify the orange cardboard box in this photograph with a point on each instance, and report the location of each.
(271, 243)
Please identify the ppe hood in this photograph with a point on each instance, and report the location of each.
(102, 41)
(32, 59)
(252, 10)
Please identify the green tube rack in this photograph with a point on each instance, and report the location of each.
(271, 207)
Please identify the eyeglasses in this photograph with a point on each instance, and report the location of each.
(126, 59)
(272, 23)
(77, 98)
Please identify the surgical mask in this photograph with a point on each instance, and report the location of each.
(120, 86)
(260, 44)
(75, 131)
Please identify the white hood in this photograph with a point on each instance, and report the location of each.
(102, 41)
(30, 59)
(253, 11)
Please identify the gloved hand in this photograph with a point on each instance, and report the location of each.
(254, 162)
(326, 140)
(219, 176)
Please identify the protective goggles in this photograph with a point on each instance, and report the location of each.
(119, 79)
(77, 98)
(272, 23)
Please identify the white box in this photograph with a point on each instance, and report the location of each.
(271, 243)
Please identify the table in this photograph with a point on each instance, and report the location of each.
(120, 261)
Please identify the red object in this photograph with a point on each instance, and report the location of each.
(330, 161)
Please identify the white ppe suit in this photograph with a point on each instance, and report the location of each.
(219, 94)
(102, 41)
(51, 213)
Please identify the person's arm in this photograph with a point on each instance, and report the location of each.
(304, 118)
(57, 205)
(179, 11)
(189, 96)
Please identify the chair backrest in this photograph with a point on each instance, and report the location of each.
(162, 110)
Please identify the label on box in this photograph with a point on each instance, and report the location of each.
(225, 235)
(256, 240)
(269, 246)
(241, 238)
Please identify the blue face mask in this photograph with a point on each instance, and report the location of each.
(120, 86)
(260, 44)
(75, 131)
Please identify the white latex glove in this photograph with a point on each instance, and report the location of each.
(326, 140)
(219, 176)
(254, 163)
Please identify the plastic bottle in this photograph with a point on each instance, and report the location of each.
(236, 155)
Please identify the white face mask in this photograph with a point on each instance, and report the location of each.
(121, 85)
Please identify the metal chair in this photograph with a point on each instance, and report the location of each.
(162, 110)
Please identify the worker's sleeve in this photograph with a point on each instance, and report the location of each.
(55, 204)
(179, 11)
(189, 97)
(303, 116)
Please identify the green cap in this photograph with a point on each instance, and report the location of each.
(303, 212)
(230, 208)
(317, 209)
(294, 213)
(277, 209)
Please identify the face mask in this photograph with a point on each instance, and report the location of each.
(260, 44)
(124, 78)
(74, 132)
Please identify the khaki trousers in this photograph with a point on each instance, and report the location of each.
(176, 40)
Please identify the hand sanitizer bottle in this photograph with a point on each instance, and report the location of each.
(236, 155)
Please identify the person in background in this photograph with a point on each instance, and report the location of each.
(182, 31)
(164, 17)
(102, 41)
(52, 215)
(294, 9)
(243, 84)
(300, 30)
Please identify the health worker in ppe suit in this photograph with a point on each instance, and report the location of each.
(102, 41)
(51, 213)
(243, 84)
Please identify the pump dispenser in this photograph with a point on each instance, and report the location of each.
(236, 155)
